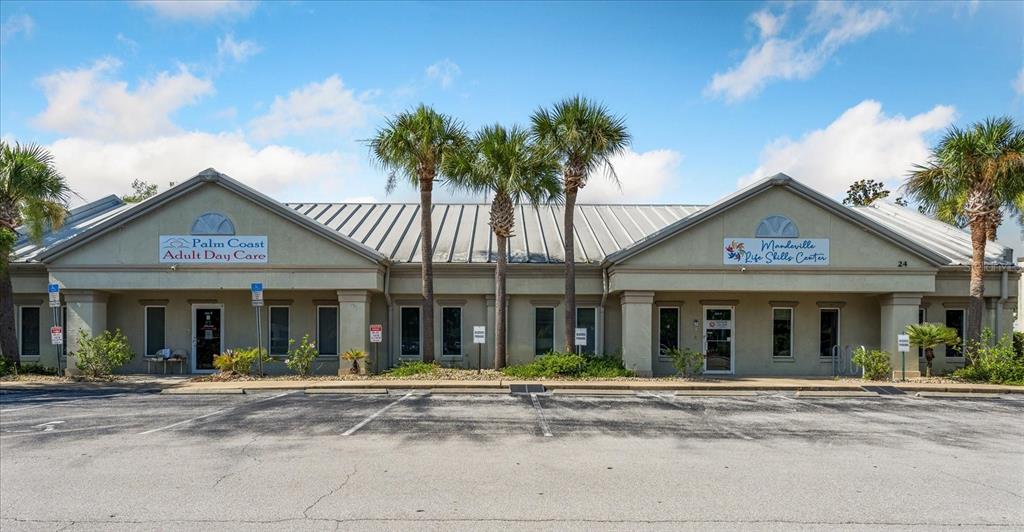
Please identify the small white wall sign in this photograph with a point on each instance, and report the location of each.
(581, 336)
(376, 333)
(903, 342)
(479, 334)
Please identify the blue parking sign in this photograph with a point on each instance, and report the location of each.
(257, 287)
(54, 287)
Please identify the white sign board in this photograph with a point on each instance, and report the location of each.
(376, 333)
(257, 294)
(54, 291)
(57, 335)
(718, 325)
(479, 334)
(581, 336)
(213, 249)
(775, 251)
(903, 342)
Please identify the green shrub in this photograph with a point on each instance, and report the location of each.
(687, 362)
(300, 359)
(877, 364)
(1018, 343)
(6, 368)
(101, 355)
(36, 369)
(555, 364)
(240, 361)
(416, 367)
(996, 364)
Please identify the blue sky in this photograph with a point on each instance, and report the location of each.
(279, 94)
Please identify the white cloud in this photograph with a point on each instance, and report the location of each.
(199, 10)
(359, 199)
(863, 143)
(87, 102)
(1018, 84)
(127, 42)
(96, 168)
(828, 26)
(237, 51)
(444, 72)
(14, 25)
(323, 106)
(643, 177)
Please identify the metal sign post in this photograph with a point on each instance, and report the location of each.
(376, 337)
(903, 344)
(53, 290)
(581, 338)
(257, 302)
(479, 338)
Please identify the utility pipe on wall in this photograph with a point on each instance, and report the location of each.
(1003, 296)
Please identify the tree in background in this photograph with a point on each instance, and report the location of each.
(507, 164)
(864, 192)
(974, 174)
(141, 190)
(33, 196)
(413, 146)
(584, 136)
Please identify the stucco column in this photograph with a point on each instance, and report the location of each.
(354, 307)
(87, 313)
(637, 319)
(487, 360)
(898, 311)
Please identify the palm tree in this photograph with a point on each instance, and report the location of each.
(584, 136)
(507, 164)
(929, 335)
(974, 174)
(413, 146)
(34, 194)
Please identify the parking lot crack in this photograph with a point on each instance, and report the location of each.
(245, 452)
(305, 513)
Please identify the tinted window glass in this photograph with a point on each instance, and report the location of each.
(829, 331)
(410, 332)
(955, 320)
(278, 330)
(327, 330)
(782, 332)
(668, 329)
(29, 331)
(544, 334)
(586, 318)
(451, 331)
(154, 329)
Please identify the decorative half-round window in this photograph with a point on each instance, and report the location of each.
(776, 226)
(213, 223)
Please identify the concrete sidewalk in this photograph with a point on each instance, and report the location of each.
(184, 386)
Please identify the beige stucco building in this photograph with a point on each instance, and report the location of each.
(776, 279)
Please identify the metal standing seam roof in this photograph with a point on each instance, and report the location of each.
(79, 220)
(462, 233)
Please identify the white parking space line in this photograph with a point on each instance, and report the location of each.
(374, 415)
(214, 413)
(8, 434)
(6, 410)
(540, 414)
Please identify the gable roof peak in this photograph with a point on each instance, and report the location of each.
(781, 179)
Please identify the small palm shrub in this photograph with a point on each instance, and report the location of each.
(876, 364)
(929, 335)
(416, 367)
(687, 362)
(354, 356)
(240, 361)
(98, 356)
(995, 364)
(300, 359)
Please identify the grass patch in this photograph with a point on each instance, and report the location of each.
(569, 365)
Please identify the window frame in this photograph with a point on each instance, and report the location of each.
(462, 335)
(839, 330)
(535, 330)
(419, 327)
(270, 332)
(145, 328)
(679, 329)
(19, 320)
(960, 333)
(337, 331)
(792, 330)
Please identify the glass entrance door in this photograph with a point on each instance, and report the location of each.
(206, 337)
(718, 339)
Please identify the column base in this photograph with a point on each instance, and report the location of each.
(910, 374)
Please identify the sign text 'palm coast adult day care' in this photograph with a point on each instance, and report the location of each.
(213, 249)
(776, 251)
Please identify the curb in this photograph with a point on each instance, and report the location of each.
(837, 393)
(203, 391)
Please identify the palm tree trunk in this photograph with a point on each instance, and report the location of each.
(8, 336)
(976, 308)
(570, 267)
(500, 307)
(427, 268)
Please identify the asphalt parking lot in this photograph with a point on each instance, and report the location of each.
(421, 461)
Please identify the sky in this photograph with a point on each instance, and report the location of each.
(282, 95)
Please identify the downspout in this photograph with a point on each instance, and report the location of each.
(599, 344)
(387, 311)
(1003, 296)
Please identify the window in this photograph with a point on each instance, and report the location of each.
(279, 330)
(955, 319)
(586, 318)
(782, 332)
(668, 329)
(29, 331)
(327, 330)
(155, 329)
(776, 226)
(922, 316)
(544, 330)
(451, 332)
(410, 322)
(828, 331)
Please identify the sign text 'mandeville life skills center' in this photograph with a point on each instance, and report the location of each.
(214, 249)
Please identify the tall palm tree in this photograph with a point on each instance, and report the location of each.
(34, 194)
(974, 174)
(507, 164)
(413, 146)
(584, 136)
